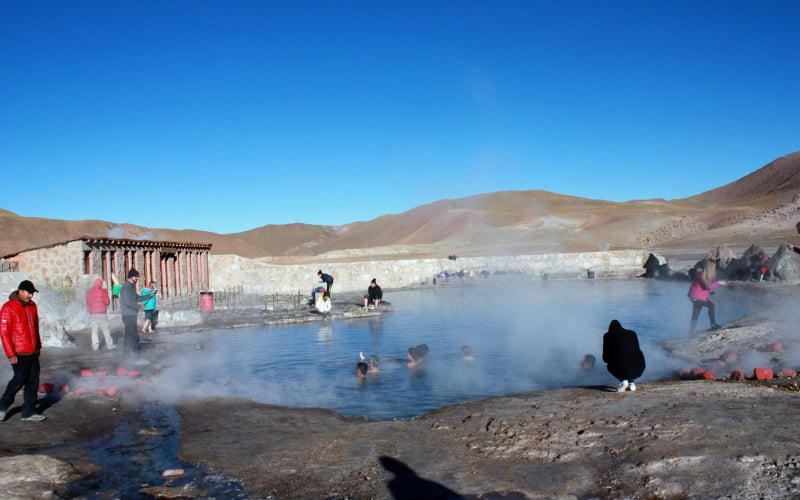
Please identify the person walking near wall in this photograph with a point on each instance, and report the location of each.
(129, 309)
(19, 332)
(150, 311)
(97, 302)
(327, 279)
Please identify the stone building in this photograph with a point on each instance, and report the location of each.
(179, 268)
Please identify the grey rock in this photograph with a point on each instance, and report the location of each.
(33, 476)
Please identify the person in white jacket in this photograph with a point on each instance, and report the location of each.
(323, 303)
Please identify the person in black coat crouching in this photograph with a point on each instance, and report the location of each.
(622, 355)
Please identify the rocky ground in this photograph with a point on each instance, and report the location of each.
(670, 439)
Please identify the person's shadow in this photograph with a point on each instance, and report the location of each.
(408, 485)
(46, 402)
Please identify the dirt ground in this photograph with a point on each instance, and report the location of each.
(670, 439)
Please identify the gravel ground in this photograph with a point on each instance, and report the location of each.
(670, 439)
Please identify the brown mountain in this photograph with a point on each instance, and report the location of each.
(760, 208)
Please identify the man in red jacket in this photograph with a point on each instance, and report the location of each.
(97, 302)
(19, 332)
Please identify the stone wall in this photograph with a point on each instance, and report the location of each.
(260, 277)
(60, 266)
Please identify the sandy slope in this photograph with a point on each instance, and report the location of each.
(760, 208)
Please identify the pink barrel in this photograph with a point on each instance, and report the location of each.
(206, 301)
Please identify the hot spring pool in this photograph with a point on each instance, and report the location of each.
(524, 336)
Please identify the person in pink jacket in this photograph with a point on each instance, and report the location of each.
(705, 281)
(97, 302)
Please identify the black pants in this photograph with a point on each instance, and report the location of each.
(697, 305)
(130, 341)
(26, 373)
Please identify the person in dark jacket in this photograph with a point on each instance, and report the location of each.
(622, 355)
(327, 279)
(19, 333)
(129, 310)
(795, 248)
(374, 295)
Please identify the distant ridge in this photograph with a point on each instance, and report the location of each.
(761, 207)
(778, 178)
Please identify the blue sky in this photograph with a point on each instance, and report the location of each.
(226, 116)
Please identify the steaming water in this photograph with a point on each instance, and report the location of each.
(524, 337)
(136, 453)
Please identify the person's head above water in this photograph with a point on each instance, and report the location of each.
(419, 351)
(588, 362)
(416, 354)
(374, 361)
(361, 369)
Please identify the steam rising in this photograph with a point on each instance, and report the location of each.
(524, 336)
(116, 233)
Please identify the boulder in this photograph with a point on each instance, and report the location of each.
(746, 267)
(784, 265)
(656, 266)
(722, 254)
(33, 476)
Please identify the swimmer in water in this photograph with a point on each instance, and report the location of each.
(371, 365)
(466, 353)
(588, 362)
(416, 355)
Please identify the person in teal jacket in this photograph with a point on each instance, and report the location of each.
(150, 310)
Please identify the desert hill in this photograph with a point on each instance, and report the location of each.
(760, 208)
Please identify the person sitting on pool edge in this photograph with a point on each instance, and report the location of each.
(323, 305)
(374, 295)
(416, 355)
